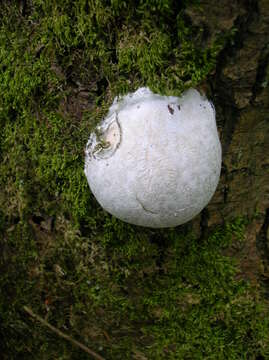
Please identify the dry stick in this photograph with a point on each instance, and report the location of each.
(61, 334)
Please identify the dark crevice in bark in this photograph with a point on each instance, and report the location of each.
(225, 190)
(241, 24)
(229, 112)
(262, 243)
(204, 223)
(263, 249)
(261, 74)
(225, 194)
(231, 115)
(224, 88)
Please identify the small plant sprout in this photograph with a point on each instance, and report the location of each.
(155, 160)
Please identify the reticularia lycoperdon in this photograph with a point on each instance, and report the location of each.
(155, 160)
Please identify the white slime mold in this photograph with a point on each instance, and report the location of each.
(155, 160)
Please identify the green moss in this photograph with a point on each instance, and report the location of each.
(110, 49)
(162, 294)
(125, 291)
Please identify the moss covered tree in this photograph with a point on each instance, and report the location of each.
(199, 291)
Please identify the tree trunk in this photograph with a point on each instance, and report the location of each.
(240, 87)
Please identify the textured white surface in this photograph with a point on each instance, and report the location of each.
(156, 159)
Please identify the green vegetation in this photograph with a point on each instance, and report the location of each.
(126, 292)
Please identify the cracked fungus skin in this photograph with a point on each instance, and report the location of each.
(155, 160)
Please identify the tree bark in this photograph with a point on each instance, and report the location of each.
(240, 88)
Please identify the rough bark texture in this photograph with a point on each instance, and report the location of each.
(240, 88)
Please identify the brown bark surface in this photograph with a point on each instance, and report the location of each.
(240, 88)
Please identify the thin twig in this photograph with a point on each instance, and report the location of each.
(61, 334)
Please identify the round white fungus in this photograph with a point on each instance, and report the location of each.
(155, 160)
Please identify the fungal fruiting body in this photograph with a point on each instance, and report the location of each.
(155, 160)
